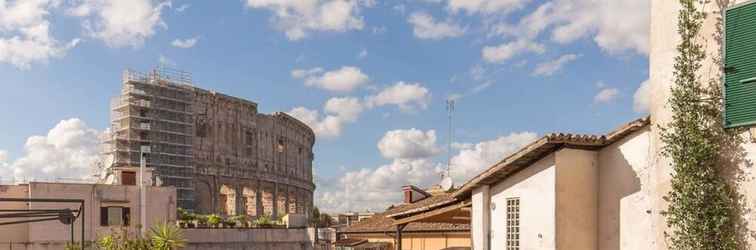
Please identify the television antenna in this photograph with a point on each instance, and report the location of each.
(446, 182)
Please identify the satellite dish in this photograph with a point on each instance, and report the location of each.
(447, 183)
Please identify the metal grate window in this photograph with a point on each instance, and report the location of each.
(513, 224)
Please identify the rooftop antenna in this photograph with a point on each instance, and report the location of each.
(447, 183)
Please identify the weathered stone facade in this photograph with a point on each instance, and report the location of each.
(242, 162)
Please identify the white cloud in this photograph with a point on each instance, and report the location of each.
(166, 61)
(617, 26)
(183, 7)
(408, 144)
(487, 6)
(347, 108)
(25, 36)
(120, 23)
(472, 159)
(408, 96)
(338, 111)
(363, 53)
(504, 52)
(299, 18)
(185, 43)
(376, 188)
(551, 67)
(425, 27)
(345, 79)
(69, 150)
(642, 97)
(606, 95)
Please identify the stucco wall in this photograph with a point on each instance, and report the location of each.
(161, 207)
(534, 186)
(624, 194)
(576, 199)
(663, 40)
(263, 239)
(481, 213)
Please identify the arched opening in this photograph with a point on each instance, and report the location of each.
(249, 197)
(227, 200)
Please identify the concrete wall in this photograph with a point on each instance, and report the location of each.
(576, 199)
(663, 40)
(624, 194)
(263, 239)
(535, 186)
(53, 234)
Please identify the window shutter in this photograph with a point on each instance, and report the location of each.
(126, 216)
(104, 216)
(740, 66)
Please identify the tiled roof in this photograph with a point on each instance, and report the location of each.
(544, 146)
(383, 222)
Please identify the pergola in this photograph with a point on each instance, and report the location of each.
(66, 216)
(457, 212)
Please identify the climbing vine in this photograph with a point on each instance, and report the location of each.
(702, 204)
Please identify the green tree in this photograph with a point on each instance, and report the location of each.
(701, 210)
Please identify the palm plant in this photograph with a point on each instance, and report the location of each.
(166, 237)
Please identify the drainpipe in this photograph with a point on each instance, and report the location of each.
(398, 240)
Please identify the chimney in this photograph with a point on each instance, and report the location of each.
(413, 194)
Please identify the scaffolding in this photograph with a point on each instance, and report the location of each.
(155, 110)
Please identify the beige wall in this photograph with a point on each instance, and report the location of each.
(421, 241)
(663, 40)
(534, 186)
(576, 199)
(161, 207)
(624, 194)
(481, 217)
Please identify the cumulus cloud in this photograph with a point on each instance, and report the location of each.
(185, 43)
(377, 188)
(642, 97)
(408, 96)
(25, 36)
(486, 6)
(299, 18)
(120, 23)
(408, 144)
(474, 158)
(616, 26)
(338, 111)
(71, 149)
(606, 95)
(504, 52)
(424, 27)
(551, 67)
(345, 79)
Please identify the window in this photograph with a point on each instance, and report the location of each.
(513, 224)
(740, 68)
(115, 216)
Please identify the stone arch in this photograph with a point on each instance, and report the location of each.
(249, 200)
(227, 200)
(204, 196)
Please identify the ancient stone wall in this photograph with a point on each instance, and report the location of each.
(249, 163)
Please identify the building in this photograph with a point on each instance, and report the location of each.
(348, 219)
(106, 208)
(217, 150)
(384, 227)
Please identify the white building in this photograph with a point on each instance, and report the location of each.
(606, 192)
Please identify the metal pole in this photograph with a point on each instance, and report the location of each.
(142, 198)
(83, 215)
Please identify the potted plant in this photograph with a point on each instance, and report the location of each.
(264, 221)
(185, 218)
(214, 220)
(201, 220)
(239, 220)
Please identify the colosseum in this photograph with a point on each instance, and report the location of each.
(217, 150)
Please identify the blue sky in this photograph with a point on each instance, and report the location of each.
(517, 68)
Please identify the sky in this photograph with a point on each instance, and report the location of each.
(371, 77)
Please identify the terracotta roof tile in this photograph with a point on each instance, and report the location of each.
(383, 222)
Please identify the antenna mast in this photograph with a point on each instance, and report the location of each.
(450, 111)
